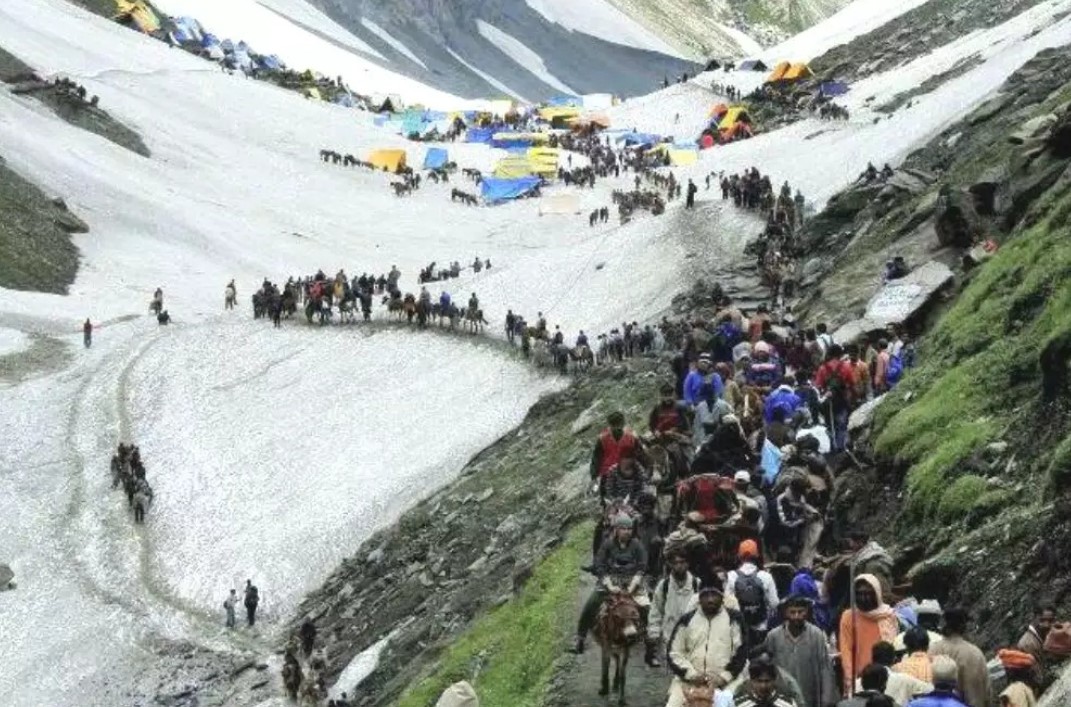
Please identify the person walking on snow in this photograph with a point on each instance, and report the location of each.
(87, 333)
(252, 599)
(689, 201)
(228, 605)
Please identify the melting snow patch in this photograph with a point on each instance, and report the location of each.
(397, 45)
(359, 668)
(515, 49)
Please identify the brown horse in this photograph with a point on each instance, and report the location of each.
(616, 630)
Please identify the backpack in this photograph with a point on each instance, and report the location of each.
(752, 598)
(837, 387)
(894, 371)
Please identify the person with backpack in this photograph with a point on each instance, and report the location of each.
(252, 599)
(754, 590)
(673, 595)
(836, 379)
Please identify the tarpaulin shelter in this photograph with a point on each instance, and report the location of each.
(679, 157)
(718, 110)
(344, 99)
(513, 167)
(736, 114)
(209, 40)
(495, 190)
(389, 160)
(639, 138)
(566, 203)
(480, 135)
(436, 158)
(752, 65)
(137, 13)
(543, 161)
(506, 141)
(186, 29)
(213, 52)
(270, 62)
(798, 72)
(552, 113)
(831, 89)
(778, 72)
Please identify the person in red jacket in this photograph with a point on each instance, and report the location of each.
(836, 379)
(608, 447)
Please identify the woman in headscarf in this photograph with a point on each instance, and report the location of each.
(866, 623)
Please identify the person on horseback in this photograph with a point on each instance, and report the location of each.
(474, 303)
(582, 339)
(625, 480)
(706, 649)
(477, 265)
(619, 567)
(608, 448)
(425, 297)
(444, 301)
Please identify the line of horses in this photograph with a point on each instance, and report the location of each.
(127, 470)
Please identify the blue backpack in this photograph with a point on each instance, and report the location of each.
(895, 371)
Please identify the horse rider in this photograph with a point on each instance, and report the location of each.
(706, 648)
(477, 265)
(613, 440)
(444, 301)
(474, 303)
(230, 295)
(582, 340)
(619, 567)
(425, 297)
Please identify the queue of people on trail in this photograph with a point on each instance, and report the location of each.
(713, 544)
(128, 471)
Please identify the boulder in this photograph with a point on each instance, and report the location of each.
(957, 223)
(910, 182)
(898, 301)
(984, 190)
(1033, 129)
(848, 203)
(460, 694)
(1059, 140)
(863, 415)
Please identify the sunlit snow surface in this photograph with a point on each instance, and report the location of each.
(271, 450)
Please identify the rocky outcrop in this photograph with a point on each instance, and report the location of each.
(956, 221)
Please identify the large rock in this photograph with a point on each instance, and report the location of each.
(1059, 140)
(898, 301)
(985, 189)
(1033, 129)
(863, 415)
(460, 694)
(957, 222)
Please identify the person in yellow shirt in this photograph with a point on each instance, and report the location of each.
(917, 663)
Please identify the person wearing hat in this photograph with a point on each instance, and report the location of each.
(800, 648)
(946, 691)
(927, 617)
(761, 690)
(755, 591)
(706, 648)
(973, 676)
(619, 567)
(1019, 668)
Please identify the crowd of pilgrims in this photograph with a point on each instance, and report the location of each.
(717, 523)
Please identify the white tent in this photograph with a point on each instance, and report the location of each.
(566, 203)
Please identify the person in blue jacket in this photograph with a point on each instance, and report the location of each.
(785, 398)
(701, 382)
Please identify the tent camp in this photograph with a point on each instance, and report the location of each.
(798, 72)
(752, 65)
(567, 203)
(635, 138)
(736, 114)
(543, 161)
(388, 160)
(832, 89)
(778, 72)
(186, 29)
(270, 62)
(495, 190)
(213, 52)
(718, 110)
(436, 158)
(137, 14)
(480, 135)
(558, 115)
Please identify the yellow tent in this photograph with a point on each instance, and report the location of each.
(543, 160)
(797, 72)
(736, 114)
(779, 72)
(683, 157)
(389, 160)
(513, 167)
(550, 113)
(139, 13)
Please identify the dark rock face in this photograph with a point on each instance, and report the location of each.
(430, 28)
(957, 222)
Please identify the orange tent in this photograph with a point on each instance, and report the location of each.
(718, 110)
(797, 72)
(779, 72)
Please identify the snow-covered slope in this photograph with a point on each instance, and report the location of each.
(275, 452)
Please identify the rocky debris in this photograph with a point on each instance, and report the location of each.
(899, 300)
(1059, 139)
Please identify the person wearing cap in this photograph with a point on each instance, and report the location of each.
(619, 567)
(927, 617)
(672, 598)
(761, 690)
(946, 691)
(754, 589)
(800, 648)
(1020, 670)
(973, 675)
(702, 382)
(706, 648)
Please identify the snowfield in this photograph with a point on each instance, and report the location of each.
(274, 453)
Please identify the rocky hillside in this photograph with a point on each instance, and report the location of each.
(969, 456)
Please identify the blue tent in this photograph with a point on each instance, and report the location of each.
(639, 139)
(483, 135)
(271, 63)
(829, 89)
(412, 123)
(495, 191)
(227, 46)
(187, 30)
(561, 101)
(506, 142)
(435, 158)
(209, 40)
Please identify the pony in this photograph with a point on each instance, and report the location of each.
(617, 629)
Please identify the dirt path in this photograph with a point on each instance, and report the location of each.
(577, 682)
